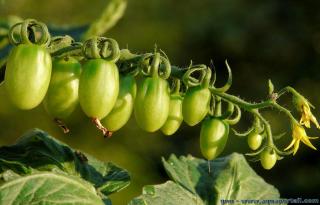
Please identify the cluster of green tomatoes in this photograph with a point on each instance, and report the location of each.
(110, 84)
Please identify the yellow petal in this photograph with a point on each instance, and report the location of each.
(296, 147)
(307, 142)
(304, 121)
(290, 145)
(314, 120)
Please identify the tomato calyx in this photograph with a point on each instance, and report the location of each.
(101, 47)
(228, 115)
(29, 31)
(155, 65)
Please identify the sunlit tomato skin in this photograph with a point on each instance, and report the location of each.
(122, 110)
(196, 104)
(98, 87)
(254, 140)
(268, 158)
(62, 96)
(28, 75)
(175, 118)
(151, 107)
(213, 137)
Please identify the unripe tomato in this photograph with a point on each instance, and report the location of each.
(28, 75)
(151, 106)
(122, 110)
(213, 137)
(254, 140)
(196, 104)
(98, 87)
(175, 118)
(62, 96)
(268, 158)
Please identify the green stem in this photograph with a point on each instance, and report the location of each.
(267, 126)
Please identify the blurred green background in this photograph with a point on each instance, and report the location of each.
(272, 39)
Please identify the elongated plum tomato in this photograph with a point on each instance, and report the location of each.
(122, 110)
(213, 137)
(28, 75)
(98, 87)
(175, 118)
(254, 140)
(62, 96)
(268, 158)
(151, 106)
(196, 104)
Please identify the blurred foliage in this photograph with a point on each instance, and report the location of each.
(278, 40)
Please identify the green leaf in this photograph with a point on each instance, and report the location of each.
(230, 178)
(109, 17)
(48, 188)
(168, 193)
(37, 150)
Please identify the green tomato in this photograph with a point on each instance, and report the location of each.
(213, 137)
(62, 96)
(268, 158)
(28, 75)
(123, 108)
(196, 105)
(98, 87)
(254, 140)
(175, 118)
(151, 106)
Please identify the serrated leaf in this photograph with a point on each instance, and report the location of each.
(37, 150)
(48, 188)
(109, 17)
(229, 178)
(168, 193)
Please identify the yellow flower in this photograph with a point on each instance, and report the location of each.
(303, 106)
(299, 134)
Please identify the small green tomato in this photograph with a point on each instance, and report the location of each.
(268, 158)
(254, 140)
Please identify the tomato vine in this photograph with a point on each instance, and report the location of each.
(144, 89)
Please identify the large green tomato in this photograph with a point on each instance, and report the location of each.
(122, 110)
(268, 158)
(196, 104)
(175, 116)
(213, 137)
(28, 75)
(98, 87)
(151, 107)
(62, 96)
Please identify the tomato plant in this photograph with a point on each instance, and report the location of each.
(28, 69)
(151, 106)
(99, 83)
(111, 85)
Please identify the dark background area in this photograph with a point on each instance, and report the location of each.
(278, 40)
